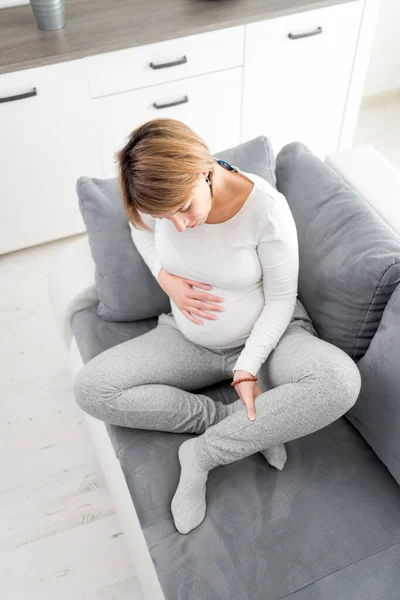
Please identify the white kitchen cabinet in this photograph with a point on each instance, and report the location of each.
(46, 143)
(297, 73)
(210, 104)
(297, 77)
(162, 62)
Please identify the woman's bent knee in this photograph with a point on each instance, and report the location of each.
(343, 379)
(82, 389)
(90, 391)
(352, 387)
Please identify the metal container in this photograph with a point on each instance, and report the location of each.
(49, 14)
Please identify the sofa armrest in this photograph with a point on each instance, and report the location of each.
(376, 414)
(369, 173)
(72, 284)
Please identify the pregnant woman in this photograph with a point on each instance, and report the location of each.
(222, 244)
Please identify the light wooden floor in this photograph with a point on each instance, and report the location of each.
(60, 538)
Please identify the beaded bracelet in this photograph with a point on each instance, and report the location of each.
(243, 379)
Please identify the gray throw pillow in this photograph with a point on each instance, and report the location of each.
(126, 287)
(349, 256)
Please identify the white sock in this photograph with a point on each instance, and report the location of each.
(275, 455)
(188, 505)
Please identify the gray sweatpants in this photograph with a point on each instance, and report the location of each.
(148, 382)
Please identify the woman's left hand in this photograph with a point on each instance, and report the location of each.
(247, 392)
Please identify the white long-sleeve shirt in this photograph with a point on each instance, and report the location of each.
(251, 261)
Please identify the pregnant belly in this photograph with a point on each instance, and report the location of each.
(232, 326)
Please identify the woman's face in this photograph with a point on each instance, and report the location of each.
(196, 210)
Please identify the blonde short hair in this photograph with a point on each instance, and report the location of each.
(158, 168)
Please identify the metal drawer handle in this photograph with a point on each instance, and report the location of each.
(183, 101)
(19, 96)
(175, 63)
(297, 36)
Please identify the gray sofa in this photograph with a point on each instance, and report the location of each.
(326, 527)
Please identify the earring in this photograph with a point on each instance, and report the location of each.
(208, 180)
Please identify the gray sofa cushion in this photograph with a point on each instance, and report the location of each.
(267, 534)
(126, 287)
(376, 413)
(349, 256)
(372, 578)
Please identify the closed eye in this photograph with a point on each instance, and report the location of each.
(182, 211)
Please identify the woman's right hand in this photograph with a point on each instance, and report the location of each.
(189, 301)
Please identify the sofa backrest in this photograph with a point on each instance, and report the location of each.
(349, 256)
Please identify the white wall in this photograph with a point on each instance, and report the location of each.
(4, 3)
(384, 67)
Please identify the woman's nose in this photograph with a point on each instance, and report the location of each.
(180, 225)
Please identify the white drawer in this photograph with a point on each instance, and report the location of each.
(209, 104)
(142, 66)
(297, 74)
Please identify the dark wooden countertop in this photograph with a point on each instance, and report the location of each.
(97, 26)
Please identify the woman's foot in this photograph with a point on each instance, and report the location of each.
(275, 455)
(188, 505)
